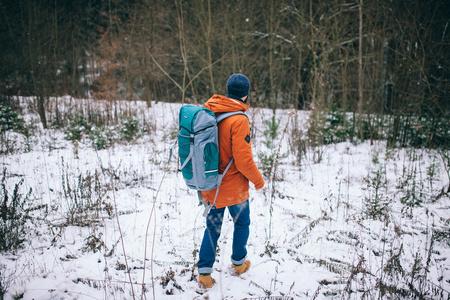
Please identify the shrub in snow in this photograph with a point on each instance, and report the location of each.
(130, 129)
(14, 213)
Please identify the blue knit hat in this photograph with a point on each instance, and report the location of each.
(238, 86)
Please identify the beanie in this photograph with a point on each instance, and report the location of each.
(238, 86)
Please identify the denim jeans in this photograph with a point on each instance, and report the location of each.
(241, 218)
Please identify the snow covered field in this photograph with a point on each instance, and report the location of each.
(340, 221)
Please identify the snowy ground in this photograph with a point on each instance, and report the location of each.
(311, 236)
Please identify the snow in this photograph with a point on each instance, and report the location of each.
(309, 239)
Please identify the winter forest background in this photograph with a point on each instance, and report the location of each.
(350, 105)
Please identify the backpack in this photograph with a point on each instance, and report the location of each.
(198, 150)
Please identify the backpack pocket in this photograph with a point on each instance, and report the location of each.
(184, 151)
(211, 158)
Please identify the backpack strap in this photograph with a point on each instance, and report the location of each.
(229, 114)
(171, 150)
(191, 152)
(219, 181)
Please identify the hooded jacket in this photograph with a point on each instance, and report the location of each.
(234, 142)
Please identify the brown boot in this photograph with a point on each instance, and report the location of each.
(206, 281)
(238, 270)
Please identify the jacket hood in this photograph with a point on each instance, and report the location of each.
(221, 104)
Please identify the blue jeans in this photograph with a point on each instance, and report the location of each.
(241, 218)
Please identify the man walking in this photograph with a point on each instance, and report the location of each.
(235, 142)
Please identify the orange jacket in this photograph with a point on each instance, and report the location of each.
(234, 141)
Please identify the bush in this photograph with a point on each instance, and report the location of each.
(334, 130)
(268, 160)
(129, 129)
(101, 138)
(77, 127)
(10, 120)
(83, 195)
(339, 127)
(376, 203)
(13, 215)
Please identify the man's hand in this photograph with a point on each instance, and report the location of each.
(259, 186)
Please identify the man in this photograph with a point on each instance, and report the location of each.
(234, 141)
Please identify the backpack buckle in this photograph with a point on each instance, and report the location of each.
(207, 210)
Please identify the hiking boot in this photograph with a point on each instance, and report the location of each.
(238, 270)
(206, 281)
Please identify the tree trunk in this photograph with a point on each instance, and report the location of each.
(208, 44)
(314, 89)
(392, 140)
(360, 76)
(41, 110)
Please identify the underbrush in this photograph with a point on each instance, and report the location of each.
(386, 263)
(16, 135)
(17, 213)
(84, 196)
(362, 219)
(103, 136)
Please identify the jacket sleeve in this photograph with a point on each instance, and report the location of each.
(242, 152)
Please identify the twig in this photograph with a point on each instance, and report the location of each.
(119, 227)
(274, 169)
(154, 234)
(190, 82)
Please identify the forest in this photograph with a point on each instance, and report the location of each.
(377, 69)
(350, 107)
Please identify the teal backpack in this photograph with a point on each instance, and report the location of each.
(198, 149)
